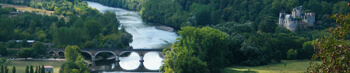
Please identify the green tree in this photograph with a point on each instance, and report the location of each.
(254, 55)
(333, 50)
(24, 43)
(3, 49)
(6, 28)
(267, 24)
(292, 54)
(184, 63)
(67, 36)
(24, 53)
(202, 13)
(32, 26)
(42, 70)
(307, 50)
(39, 48)
(74, 61)
(31, 69)
(2, 61)
(6, 70)
(14, 69)
(198, 43)
(36, 69)
(2, 69)
(27, 69)
(93, 28)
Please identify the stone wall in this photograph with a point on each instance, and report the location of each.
(309, 18)
(290, 21)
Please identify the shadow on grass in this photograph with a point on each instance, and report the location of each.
(235, 71)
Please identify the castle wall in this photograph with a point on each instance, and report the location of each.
(309, 19)
(281, 19)
(290, 22)
(291, 25)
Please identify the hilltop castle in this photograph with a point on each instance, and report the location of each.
(298, 18)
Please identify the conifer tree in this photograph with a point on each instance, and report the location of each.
(36, 69)
(2, 69)
(42, 69)
(14, 69)
(27, 69)
(39, 69)
(31, 69)
(6, 69)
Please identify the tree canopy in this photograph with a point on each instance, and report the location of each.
(197, 50)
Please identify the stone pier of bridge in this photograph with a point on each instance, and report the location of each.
(116, 52)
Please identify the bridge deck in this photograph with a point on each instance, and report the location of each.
(116, 49)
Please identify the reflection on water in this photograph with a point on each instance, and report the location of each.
(152, 61)
(144, 37)
(131, 62)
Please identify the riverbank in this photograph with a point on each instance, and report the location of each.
(165, 28)
(286, 66)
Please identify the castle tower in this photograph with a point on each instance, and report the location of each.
(298, 12)
(290, 23)
(281, 18)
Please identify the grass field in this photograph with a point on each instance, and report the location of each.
(30, 9)
(21, 65)
(286, 66)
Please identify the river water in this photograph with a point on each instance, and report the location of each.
(144, 37)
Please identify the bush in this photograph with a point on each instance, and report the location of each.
(292, 54)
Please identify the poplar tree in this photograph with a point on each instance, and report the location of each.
(27, 69)
(6, 69)
(2, 69)
(14, 69)
(42, 69)
(36, 69)
(31, 69)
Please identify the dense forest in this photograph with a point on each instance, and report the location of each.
(214, 33)
(251, 25)
(177, 13)
(63, 7)
(89, 30)
(81, 26)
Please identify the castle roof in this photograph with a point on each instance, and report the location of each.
(299, 8)
(282, 11)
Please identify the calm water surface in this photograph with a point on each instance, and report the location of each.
(144, 37)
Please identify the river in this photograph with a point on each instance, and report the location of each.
(144, 37)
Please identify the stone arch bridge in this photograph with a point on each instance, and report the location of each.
(116, 52)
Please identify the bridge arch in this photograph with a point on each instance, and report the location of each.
(60, 53)
(52, 53)
(87, 52)
(161, 55)
(141, 53)
(152, 59)
(125, 52)
(104, 52)
(130, 60)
